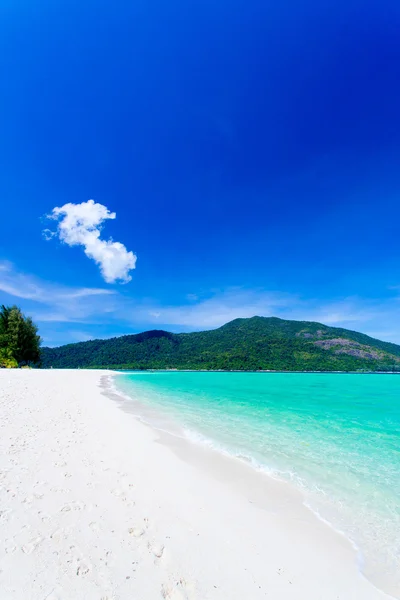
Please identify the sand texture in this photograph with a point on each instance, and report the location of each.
(94, 504)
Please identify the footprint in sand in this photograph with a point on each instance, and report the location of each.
(177, 591)
(5, 514)
(30, 499)
(136, 531)
(139, 530)
(119, 493)
(72, 506)
(32, 545)
(57, 535)
(122, 494)
(83, 569)
(157, 549)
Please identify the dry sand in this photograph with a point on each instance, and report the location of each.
(96, 505)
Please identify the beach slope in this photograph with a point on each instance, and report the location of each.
(94, 504)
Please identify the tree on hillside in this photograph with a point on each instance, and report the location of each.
(19, 339)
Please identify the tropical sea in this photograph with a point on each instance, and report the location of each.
(334, 436)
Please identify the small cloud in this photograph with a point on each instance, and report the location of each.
(48, 234)
(80, 225)
(66, 304)
(85, 292)
(192, 297)
(5, 265)
(222, 307)
(81, 336)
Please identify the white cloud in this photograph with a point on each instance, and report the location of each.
(67, 304)
(80, 336)
(222, 307)
(48, 234)
(368, 315)
(104, 312)
(154, 314)
(5, 265)
(80, 225)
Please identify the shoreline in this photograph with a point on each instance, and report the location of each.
(194, 451)
(124, 371)
(97, 504)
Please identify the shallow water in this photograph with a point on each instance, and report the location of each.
(335, 436)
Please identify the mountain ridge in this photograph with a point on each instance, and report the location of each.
(247, 344)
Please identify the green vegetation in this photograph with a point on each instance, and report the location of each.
(252, 344)
(19, 339)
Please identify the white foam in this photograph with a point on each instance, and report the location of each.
(286, 476)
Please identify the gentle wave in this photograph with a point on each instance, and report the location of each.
(336, 440)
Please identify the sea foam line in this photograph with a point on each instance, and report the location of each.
(285, 477)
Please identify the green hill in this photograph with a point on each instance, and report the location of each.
(243, 344)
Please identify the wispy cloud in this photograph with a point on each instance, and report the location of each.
(367, 315)
(52, 302)
(80, 225)
(221, 307)
(98, 312)
(337, 313)
(80, 336)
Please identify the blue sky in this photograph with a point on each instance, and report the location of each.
(250, 151)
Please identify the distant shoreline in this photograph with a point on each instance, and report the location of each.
(256, 344)
(242, 371)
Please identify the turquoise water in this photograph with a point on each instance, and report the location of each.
(337, 437)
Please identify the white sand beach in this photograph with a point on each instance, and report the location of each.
(96, 505)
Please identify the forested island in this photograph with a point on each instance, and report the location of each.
(257, 343)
